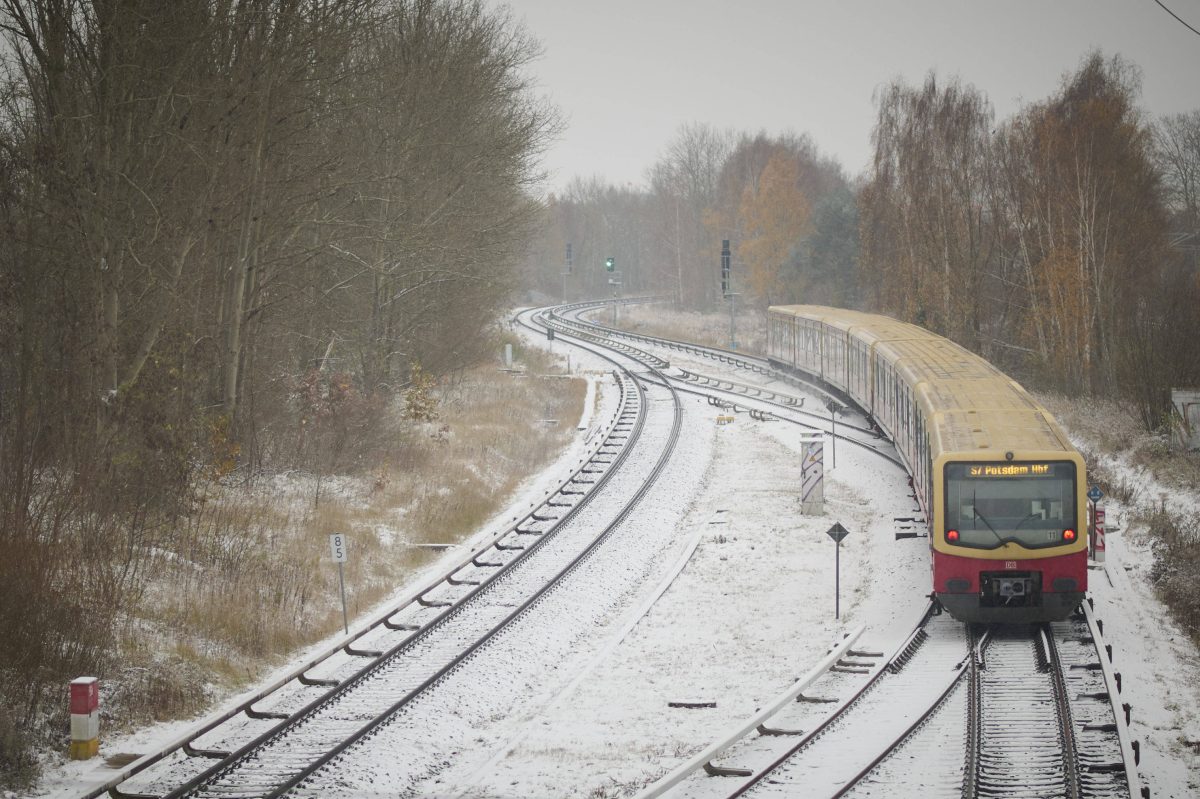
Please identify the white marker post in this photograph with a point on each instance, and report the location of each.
(812, 477)
(337, 545)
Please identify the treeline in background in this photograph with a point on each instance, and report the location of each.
(1061, 243)
(234, 232)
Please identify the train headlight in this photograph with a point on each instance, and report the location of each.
(952, 535)
(1068, 534)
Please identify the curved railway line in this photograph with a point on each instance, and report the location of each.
(287, 733)
(1045, 719)
(735, 395)
(1041, 705)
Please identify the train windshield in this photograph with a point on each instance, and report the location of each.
(1029, 503)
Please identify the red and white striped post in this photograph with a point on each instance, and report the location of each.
(1098, 531)
(85, 718)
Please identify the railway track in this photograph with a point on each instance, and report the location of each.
(956, 712)
(324, 712)
(730, 394)
(287, 734)
(1046, 717)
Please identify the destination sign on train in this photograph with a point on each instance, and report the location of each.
(1011, 470)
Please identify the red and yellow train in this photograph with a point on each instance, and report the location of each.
(1001, 486)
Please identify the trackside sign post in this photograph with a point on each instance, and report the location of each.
(837, 533)
(1096, 539)
(337, 547)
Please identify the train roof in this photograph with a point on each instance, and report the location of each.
(869, 327)
(969, 404)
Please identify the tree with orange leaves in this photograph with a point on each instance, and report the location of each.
(774, 215)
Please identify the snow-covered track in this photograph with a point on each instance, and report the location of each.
(287, 757)
(735, 395)
(852, 696)
(862, 729)
(738, 396)
(353, 699)
(1042, 722)
(1019, 720)
(740, 360)
(393, 628)
(1039, 723)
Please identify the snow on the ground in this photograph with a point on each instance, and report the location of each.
(741, 603)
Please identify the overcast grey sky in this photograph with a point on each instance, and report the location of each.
(627, 74)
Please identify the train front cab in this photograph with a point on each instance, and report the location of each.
(977, 502)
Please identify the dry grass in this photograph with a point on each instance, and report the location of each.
(247, 578)
(1111, 428)
(709, 329)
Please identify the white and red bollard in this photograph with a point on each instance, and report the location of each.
(85, 718)
(1098, 532)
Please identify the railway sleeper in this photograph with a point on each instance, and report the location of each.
(815, 700)
(324, 682)
(508, 547)
(533, 532)
(362, 653)
(117, 793)
(725, 771)
(405, 627)
(1104, 768)
(549, 504)
(539, 518)
(763, 729)
(436, 603)
(848, 670)
(211, 754)
(455, 581)
(259, 715)
(854, 664)
(858, 653)
(485, 564)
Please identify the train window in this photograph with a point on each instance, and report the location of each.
(1027, 503)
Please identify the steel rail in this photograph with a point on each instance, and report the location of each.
(893, 747)
(555, 318)
(555, 582)
(1129, 749)
(705, 755)
(752, 362)
(777, 408)
(298, 777)
(1062, 708)
(112, 786)
(894, 663)
(243, 752)
(345, 644)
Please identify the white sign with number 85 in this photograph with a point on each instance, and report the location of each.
(337, 545)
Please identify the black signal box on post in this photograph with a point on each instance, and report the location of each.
(725, 260)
